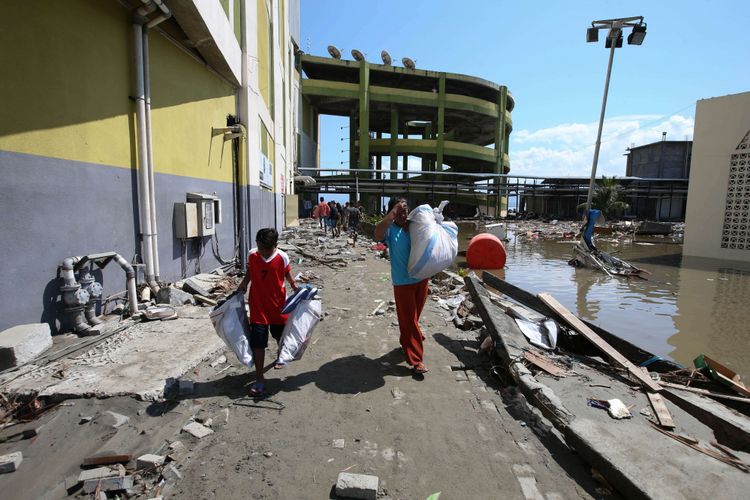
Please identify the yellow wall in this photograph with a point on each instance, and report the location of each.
(68, 94)
(66, 81)
(187, 100)
(264, 57)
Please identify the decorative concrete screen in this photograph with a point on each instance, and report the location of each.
(736, 231)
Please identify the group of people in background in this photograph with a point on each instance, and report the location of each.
(335, 217)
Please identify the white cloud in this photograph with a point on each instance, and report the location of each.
(568, 149)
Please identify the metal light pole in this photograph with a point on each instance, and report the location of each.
(614, 40)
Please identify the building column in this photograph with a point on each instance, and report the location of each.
(440, 123)
(500, 146)
(405, 165)
(353, 139)
(364, 115)
(394, 138)
(379, 161)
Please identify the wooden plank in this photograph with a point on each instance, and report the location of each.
(633, 352)
(730, 377)
(544, 364)
(660, 407)
(599, 342)
(704, 392)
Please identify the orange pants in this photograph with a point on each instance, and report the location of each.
(410, 300)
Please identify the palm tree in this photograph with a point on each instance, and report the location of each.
(608, 197)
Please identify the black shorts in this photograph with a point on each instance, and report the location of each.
(258, 336)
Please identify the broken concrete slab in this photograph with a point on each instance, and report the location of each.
(193, 286)
(22, 343)
(108, 484)
(10, 462)
(197, 430)
(149, 461)
(357, 486)
(174, 297)
(339, 443)
(133, 362)
(176, 446)
(101, 473)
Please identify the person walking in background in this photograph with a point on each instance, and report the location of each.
(345, 216)
(333, 219)
(323, 211)
(340, 220)
(353, 217)
(267, 267)
(410, 293)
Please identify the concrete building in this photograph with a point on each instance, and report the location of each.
(665, 160)
(451, 122)
(115, 110)
(717, 224)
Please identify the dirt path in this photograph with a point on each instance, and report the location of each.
(448, 432)
(452, 431)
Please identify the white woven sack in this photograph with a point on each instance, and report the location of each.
(434, 242)
(298, 330)
(230, 322)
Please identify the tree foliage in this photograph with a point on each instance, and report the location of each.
(608, 197)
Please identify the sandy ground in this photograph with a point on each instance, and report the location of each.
(452, 431)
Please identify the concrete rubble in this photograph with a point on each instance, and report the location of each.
(10, 462)
(357, 486)
(22, 343)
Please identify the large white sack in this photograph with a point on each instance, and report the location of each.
(434, 242)
(298, 330)
(230, 322)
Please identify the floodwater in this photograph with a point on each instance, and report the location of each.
(687, 306)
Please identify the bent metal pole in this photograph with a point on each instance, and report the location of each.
(601, 124)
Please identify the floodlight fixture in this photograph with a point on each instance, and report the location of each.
(637, 35)
(334, 52)
(612, 42)
(357, 55)
(592, 35)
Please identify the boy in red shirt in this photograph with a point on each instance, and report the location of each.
(267, 267)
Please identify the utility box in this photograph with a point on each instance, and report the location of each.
(209, 212)
(186, 220)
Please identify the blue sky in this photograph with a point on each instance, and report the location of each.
(694, 49)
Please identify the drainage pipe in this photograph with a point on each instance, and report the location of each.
(143, 170)
(130, 275)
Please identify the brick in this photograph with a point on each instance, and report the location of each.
(22, 343)
(10, 462)
(197, 430)
(149, 461)
(108, 484)
(357, 486)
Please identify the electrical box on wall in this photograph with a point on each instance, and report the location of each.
(209, 212)
(185, 220)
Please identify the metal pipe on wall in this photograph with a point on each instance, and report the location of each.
(143, 170)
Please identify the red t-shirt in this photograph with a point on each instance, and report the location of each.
(323, 209)
(267, 293)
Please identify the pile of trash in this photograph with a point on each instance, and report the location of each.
(449, 291)
(308, 242)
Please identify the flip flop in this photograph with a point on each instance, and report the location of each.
(420, 368)
(279, 365)
(258, 389)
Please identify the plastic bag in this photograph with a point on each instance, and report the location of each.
(298, 330)
(302, 293)
(230, 322)
(434, 242)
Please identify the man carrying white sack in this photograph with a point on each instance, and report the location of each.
(410, 293)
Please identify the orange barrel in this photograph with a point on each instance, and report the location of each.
(486, 251)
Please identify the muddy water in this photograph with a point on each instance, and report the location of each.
(687, 306)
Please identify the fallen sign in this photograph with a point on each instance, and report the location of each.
(599, 342)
